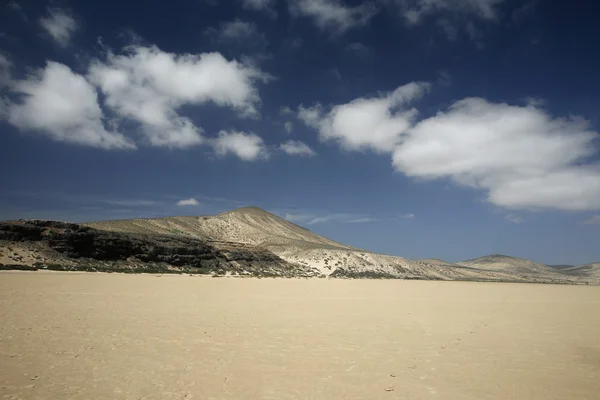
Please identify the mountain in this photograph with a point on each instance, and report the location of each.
(510, 265)
(591, 270)
(34, 244)
(295, 244)
(245, 241)
(437, 261)
(561, 266)
(299, 246)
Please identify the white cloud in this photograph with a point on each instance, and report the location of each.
(451, 16)
(64, 106)
(297, 148)
(407, 216)
(148, 86)
(59, 24)
(288, 126)
(520, 155)
(333, 15)
(375, 123)
(286, 110)
(593, 220)
(414, 11)
(237, 31)
(297, 217)
(361, 220)
(311, 116)
(188, 202)
(513, 218)
(247, 146)
(267, 6)
(309, 218)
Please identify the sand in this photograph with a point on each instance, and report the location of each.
(113, 336)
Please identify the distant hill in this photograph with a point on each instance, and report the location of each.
(561, 266)
(437, 261)
(245, 241)
(507, 264)
(293, 243)
(591, 270)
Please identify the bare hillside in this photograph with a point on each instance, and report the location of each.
(506, 264)
(591, 270)
(299, 246)
(293, 243)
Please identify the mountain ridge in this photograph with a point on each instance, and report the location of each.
(251, 231)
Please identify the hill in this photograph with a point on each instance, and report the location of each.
(591, 270)
(507, 264)
(245, 241)
(299, 246)
(293, 243)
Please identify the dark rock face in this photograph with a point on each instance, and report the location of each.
(147, 253)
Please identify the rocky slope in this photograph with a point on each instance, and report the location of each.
(506, 264)
(299, 246)
(295, 244)
(65, 246)
(591, 270)
(246, 241)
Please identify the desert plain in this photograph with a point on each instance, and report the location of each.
(72, 335)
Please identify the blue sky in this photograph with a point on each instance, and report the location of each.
(420, 128)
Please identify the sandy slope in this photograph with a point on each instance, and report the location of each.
(295, 244)
(115, 336)
(508, 264)
(591, 270)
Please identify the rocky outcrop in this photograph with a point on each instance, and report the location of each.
(76, 247)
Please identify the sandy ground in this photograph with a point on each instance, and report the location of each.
(103, 336)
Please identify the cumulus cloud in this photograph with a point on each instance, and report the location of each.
(61, 104)
(333, 15)
(407, 216)
(148, 85)
(59, 24)
(593, 220)
(247, 146)
(520, 155)
(188, 202)
(513, 218)
(297, 148)
(375, 123)
(288, 126)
